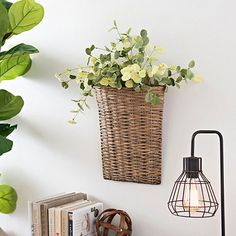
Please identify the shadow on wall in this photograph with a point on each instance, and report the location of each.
(56, 142)
(44, 67)
(25, 191)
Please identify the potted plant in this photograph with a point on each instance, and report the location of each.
(129, 82)
(15, 18)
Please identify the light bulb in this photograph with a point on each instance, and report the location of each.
(192, 200)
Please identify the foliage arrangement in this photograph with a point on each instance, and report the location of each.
(15, 18)
(129, 62)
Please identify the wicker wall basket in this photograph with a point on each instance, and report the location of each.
(131, 135)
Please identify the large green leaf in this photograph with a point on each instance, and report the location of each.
(8, 199)
(4, 22)
(10, 105)
(18, 50)
(6, 4)
(14, 66)
(25, 15)
(6, 129)
(5, 145)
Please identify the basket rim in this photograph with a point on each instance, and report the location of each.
(129, 89)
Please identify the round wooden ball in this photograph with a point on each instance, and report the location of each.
(105, 224)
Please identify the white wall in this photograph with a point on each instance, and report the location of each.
(51, 156)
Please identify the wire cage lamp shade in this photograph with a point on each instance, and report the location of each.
(192, 195)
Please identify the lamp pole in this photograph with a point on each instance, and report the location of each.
(222, 191)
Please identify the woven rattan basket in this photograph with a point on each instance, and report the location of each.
(131, 135)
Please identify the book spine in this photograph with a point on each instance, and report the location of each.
(70, 224)
(75, 219)
(64, 222)
(39, 219)
(51, 221)
(30, 218)
(35, 219)
(58, 221)
(44, 221)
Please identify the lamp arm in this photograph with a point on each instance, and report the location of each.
(222, 191)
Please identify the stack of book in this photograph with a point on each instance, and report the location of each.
(69, 214)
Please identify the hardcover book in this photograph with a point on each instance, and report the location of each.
(84, 220)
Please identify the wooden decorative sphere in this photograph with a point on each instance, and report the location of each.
(106, 226)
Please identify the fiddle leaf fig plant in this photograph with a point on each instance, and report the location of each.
(24, 15)
(8, 199)
(10, 105)
(4, 21)
(15, 18)
(19, 17)
(6, 144)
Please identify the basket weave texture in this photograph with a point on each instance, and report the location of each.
(131, 135)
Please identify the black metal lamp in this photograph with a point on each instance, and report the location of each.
(192, 195)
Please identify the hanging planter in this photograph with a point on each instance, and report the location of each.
(129, 82)
(131, 135)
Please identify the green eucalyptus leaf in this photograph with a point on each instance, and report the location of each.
(143, 33)
(113, 45)
(139, 42)
(18, 50)
(140, 58)
(119, 84)
(88, 51)
(190, 74)
(191, 64)
(6, 129)
(91, 76)
(137, 88)
(10, 105)
(64, 85)
(179, 79)
(8, 199)
(12, 67)
(166, 81)
(178, 68)
(117, 54)
(145, 41)
(92, 48)
(183, 72)
(4, 22)
(113, 70)
(5, 145)
(155, 100)
(108, 57)
(149, 96)
(172, 81)
(82, 86)
(25, 15)
(72, 76)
